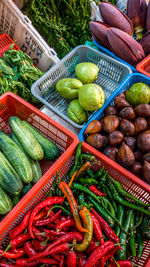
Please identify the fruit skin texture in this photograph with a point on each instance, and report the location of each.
(145, 43)
(5, 202)
(9, 179)
(91, 97)
(136, 168)
(143, 141)
(68, 87)
(95, 140)
(111, 152)
(76, 113)
(140, 125)
(130, 141)
(86, 72)
(146, 171)
(124, 46)
(115, 138)
(139, 93)
(127, 127)
(110, 110)
(114, 17)
(125, 155)
(94, 126)
(51, 151)
(110, 123)
(143, 110)
(16, 157)
(127, 113)
(121, 102)
(99, 30)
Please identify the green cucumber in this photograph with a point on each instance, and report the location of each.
(9, 179)
(5, 202)
(16, 157)
(35, 165)
(26, 138)
(51, 151)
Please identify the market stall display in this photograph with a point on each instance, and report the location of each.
(30, 143)
(52, 228)
(109, 73)
(144, 66)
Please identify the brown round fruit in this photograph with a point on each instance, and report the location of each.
(111, 152)
(146, 171)
(127, 127)
(121, 102)
(115, 138)
(143, 110)
(138, 155)
(110, 110)
(127, 113)
(143, 141)
(136, 168)
(140, 125)
(110, 123)
(125, 155)
(146, 157)
(130, 141)
(94, 126)
(95, 140)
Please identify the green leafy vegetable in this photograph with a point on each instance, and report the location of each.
(17, 74)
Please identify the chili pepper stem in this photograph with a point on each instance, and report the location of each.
(7, 248)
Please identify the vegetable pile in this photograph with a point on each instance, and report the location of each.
(63, 24)
(123, 133)
(116, 30)
(90, 95)
(19, 161)
(92, 221)
(17, 74)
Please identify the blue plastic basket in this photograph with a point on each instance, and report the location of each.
(109, 53)
(124, 86)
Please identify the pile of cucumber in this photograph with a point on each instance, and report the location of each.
(20, 154)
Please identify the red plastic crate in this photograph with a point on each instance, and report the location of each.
(5, 43)
(144, 66)
(12, 105)
(134, 185)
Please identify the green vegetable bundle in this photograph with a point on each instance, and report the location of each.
(17, 74)
(63, 24)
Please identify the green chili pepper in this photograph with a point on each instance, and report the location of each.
(90, 173)
(85, 190)
(88, 224)
(123, 237)
(87, 181)
(132, 237)
(145, 228)
(130, 204)
(109, 205)
(100, 173)
(111, 197)
(100, 210)
(57, 190)
(108, 191)
(59, 207)
(120, 217)
(88, 157)
(112, 189)
(82, 201)
(77, 158)
(139, 239)
(124, 193)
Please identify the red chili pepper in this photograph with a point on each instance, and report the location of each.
(106, 228)
(19, 229)
(122, 263)
(71, 259)
(96, 191)
(92, 247)
(29, 249)
(11, 255)
(45, 221)
(47, 260)
(111, 253)
(6, 265)
(61, 263)
(52, 232)
(97, 229)
(18, 250)
(66, 223)
(73, 205)
(56, 218)
(23, 262)
(37, 233)
(68, 237)
(98, 253)
(56, 257)
(40, 215)
(38, 245)
(18, 240)
(56, 249)
(52, 226)
(47, 202)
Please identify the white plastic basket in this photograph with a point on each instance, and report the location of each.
(20, 29)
